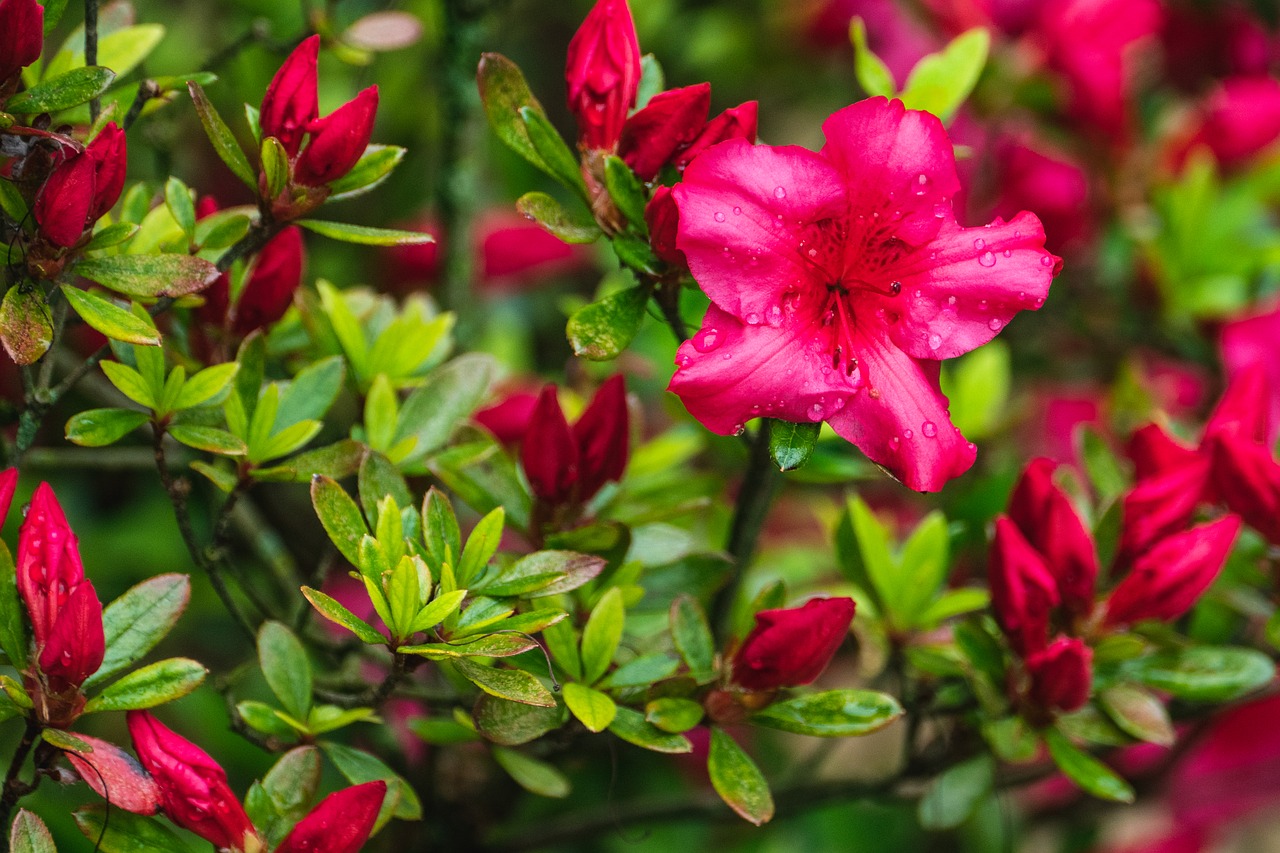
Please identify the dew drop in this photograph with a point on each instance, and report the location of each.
(816, 412)
(995, 324)
(707, 340)
(895, 441)
(753, 319)
(972, 447)
(683, 361)
(929, 429)
(773, 316)
(951, 300)
(922, 183)
(779, 192)
(1008, 253)
(1022, 296)
(939, 211)
(719, 216)
(1039, 300)
(813, 253)
(935, 341)
(982, 305)
(908, 434)
(979, 244)
(737, 211)
(1046, 261)
(987, 259)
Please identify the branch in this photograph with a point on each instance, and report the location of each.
(91, 51)
(750, 510)
(14, 788)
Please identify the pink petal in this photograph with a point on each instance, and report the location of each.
(743, 215)
(729, 373)
(901, 421)
(1251, 341)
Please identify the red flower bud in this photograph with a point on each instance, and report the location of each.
(66, 199)
(792, 646)
(340, 824)
(337, 141)
(1153, 451)
(603, 436)
(663, 217)
(671, 121)
(21, 35)
(1245, 408)
(1169, 578)
(509, 418)
(291, 100)
(109, 154)
(193, 788)
(1247, 477)
(75, 645)
(736, 123)
(270, 288)
(1049, 522)
(1160, 506)
(549, 452)
(603, 72)
(8, 484)
(1061, 675)
(1023, 590)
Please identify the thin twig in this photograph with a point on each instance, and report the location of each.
(14, 788)
(750, 510)
(91, 51)
(147, 90)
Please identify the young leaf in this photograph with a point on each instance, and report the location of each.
(791, 444)
(594, 709)
(737, 779)
(286, 667)
(533, 775)
(340, 517)
(110, 319)
(154, 684)
(139, 619)
(275, 166)
(204, 386)
(941, 81)
(440, 534)
(481, 545)
(177, 197)
(224, 143)
(336, 613)
(373, 167)
(101, 427)
(873, 75)
(602, 634)
(569, 225)
(601, 330)
(209, 439)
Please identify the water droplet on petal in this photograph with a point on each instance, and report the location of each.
(773, 316)
(1038, 301)
(894, 442)
(972, 447)
(995, 324)
(753, 319)
(922, 183)
(935, 341)
(1008, 253)
(929, 429)
(987, 259)
(939, 211)
(719, 216)
(979, 244)
(1046, 261)
(779, 192)
(951, 300)
(706, 340)
(816, 411)
(908, 434)
(982, 305)
(737, 211)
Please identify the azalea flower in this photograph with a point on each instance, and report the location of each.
(839, 280)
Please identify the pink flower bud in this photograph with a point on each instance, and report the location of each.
(1049, 522)
(1153, 451)
(1247, 478)
(670, 122)
(109, 154)
(194, 792)
(1245, 408)
(1169, 578)
(549, 452)
(1023, 590)
(736, 123)
(66, 199)
(565, 466)
(792, 646)
(509, 418)
(8, 485)
(603, 72)
(1061, 675)
(1240, 119)
(663, 218)
(75, 646)
(21, 35)
(603, 436)
(291, 100)
(340, 824)
(1160, 506)
(337, 141)
(269, 291)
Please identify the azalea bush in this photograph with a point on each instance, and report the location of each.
(528, 426)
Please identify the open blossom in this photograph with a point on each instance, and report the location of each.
(602, 69)
(792, 646)
(840, 279)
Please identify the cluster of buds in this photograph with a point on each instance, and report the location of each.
(566, 466)
(194, 793)
(1043, 574)
(21, 40)
(603, 76)
(66, 616)
(82, 187)
(320, 149)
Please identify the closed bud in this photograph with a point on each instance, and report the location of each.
(8, 485)
(64, 202)
(1172, 575)
(663, 218)
(1153, 452)
(736, 123)
(337, 141)
(1247, 478)
(1160, 506)
(1052, 526)
(340, 824)
(509, 418)
(1060, 675)
(21, 36)
(291, 100)
(549, 452)
(109, 154)
(792, 646)
(268, 293)
(194, 792)
(76, 643)
(603, 436)
(670, 122)
(1245, 408)
(1023, 590)
(603, 74)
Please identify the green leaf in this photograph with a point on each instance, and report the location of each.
(1106, 472)
(364, 234)
(626, 190)
(942, 81)
(636, 254)
(293, 780)
(65, 741)
(513, 684)
(632, 727)
(1087, 772)
(873, 75)
(673, 714)
(977, 384)
(25, 328)
(30, 835)
(111, 235)
(210, 439)
(571, 226)
(436, 611)
(340, 517)
(126, 48)
(1204, 673)
(832, 713)
(491, 646)
(791, 444)
(737, 779)
(954, 602)
(440, 532)
(1138, 713)
(504, 92)
(373, 167)
(100, 427)
(956, 794)
(75, 87)
(924, 562)
(154, 684)
(127, 833)
(594, 709)
(602, 634)
(482, 544)
(876, 558)
(53, 10)
(450, 393)
(177, 197)
(693, 637)
(13, 626)
(275, 166)
(224, 142)
(336, 613)
(514, 723)
(642, 671)
(558, 161)
(545, 573)
(359, 767)
(110, 319)
(12, 202)
(286, 667)
(206, 385)
(533, 775)
(340, 459)
(443, 732)
(131, 383)
(602, 330)
(139, 619)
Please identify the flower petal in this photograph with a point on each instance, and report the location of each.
(729, 373)
(744, 211)
(901, 421)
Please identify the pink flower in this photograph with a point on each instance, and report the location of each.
(1238, 120)
(667, 124)
(603, 72)
(1033, 175)
(1061, 675)
(291, 101)
(734, 123)
(566, 467)
(839, 279)
(1250, 341)
(1023, 590)
(194, 792)
(21, 36)
(1050, 523)
(341, 823)
(792, 646)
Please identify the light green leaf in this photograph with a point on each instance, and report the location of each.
(336, 613)
(791, 444)
(101, 427)
(204, 386)
(110, 319)
(364, 234)
(942, 81)
(210, 439)
(602, 634)
(286, 667)
(594, 709)
(738, 780)
(75, 87)
(632, 727)
(832, 713)
(1086, 771)
(533, 775)
(513, 684)
(873, 75)
(154, 684)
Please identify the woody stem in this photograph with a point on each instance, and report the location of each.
(759, 486)
(91, 50)
(15, 788)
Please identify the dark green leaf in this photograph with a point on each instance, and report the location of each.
(100, 427)
(13, 627)
(123, 832)
(571, 226)
(154, 684)
(379, 479)
(635, 253)
(440, 532)
(139, 619)
(832, 713)
(602, 330)
(693, 637)
(504, 92)
(1204, 673)
(359, 767)
(559, 162)
(450, 393)
(514, 723)
(286, 667)
(224, 142)
(791, 444)
(75, 87)
(737, 779)
(626, 190)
